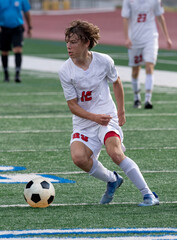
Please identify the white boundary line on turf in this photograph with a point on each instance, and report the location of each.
(157, 230)
(166, 237)
(81, 204)
(162, 78)
(70, 115)
(20, 94)
(70, 130)
(36, 104)
(31, 94)
(156, 233)
(64, 103)
(82, 172)
(67, 148)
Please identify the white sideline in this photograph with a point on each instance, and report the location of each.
(162, 78)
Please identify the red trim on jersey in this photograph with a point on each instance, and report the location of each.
(110, 134)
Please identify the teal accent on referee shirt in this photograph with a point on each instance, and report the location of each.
(11, 12)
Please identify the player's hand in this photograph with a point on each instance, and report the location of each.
(128, 43)
(102, 119)
(169, 43)
(122, 119)
(29, 32)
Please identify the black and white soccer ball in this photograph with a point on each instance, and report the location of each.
(39, 192)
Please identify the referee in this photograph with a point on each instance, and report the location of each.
(11, 32)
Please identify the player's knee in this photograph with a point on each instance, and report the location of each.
(135, 75)
(135, 72)
(117, 156)
(78, 159)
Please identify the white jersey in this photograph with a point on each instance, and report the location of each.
(90, 87)
(141, 15)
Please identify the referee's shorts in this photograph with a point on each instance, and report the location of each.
(11, 37)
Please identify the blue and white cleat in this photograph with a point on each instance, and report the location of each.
(111, 188)
(150, 200)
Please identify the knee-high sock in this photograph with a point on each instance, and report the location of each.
(149, 87)
(136, 89)
(100, 172)
(132, 171)
(4, 59)
(18, 62)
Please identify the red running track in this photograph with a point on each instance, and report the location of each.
(52, 27)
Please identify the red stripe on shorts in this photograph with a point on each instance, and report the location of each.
(110, 134)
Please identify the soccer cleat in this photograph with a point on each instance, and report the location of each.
(111, 188)
(6, 76)
(149, 200)
(148, 105)
(6, 79)
(137, 104)
(18, 80)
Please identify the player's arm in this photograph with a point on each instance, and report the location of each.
(101, 119)
(119, 96)
(162, 23)
(128, 42)
(28, 20)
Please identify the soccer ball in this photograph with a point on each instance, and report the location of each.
(39, 192)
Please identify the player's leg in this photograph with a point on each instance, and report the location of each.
(150, 57)
(5, 48)
(85, 155)
(4, 60)
(18, 61)
(17, 42)
(130, 168)
(81, 156)
(135, 59)
(136, 86)
(149, 85)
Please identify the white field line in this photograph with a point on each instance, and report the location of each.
(82, 172)
(35, 116)
(67, 148)
(31, 94)
(162, 78)
(164, 237)
(70, 115)
(81, 204)
(65, 104)
(33, 104)
(156, 233)
(70, 130)
(37, 131)
(19, 94)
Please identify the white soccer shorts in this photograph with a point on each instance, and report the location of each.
(139, 56)
(93, 137)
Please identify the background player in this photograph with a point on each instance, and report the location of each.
(141, 39)
(85, 78)
(11, 27)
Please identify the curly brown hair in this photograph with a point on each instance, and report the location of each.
(85, 31)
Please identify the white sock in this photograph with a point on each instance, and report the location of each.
(136, 89)
(132, 171)
(149, 82)
(102, 173)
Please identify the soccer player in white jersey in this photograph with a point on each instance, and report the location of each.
(85, 79)
(141, 39)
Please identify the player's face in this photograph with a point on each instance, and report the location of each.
(75, 46)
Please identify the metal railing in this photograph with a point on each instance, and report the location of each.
(72, 4)
(84, 4)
